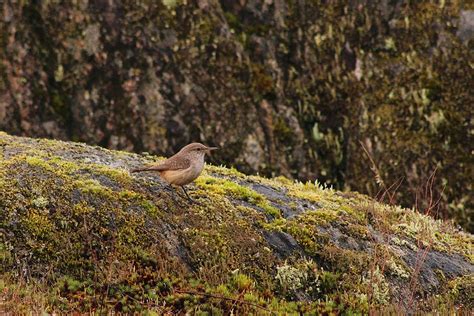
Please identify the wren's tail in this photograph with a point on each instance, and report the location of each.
(140, 170)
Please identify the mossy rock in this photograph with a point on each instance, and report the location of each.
(79, 233)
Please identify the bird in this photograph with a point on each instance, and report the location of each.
(183, 167)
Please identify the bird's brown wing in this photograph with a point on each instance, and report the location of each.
(172, 163)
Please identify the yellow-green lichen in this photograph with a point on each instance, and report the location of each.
(40, 202)
(299, 278)
(398, 269)
(379, 289)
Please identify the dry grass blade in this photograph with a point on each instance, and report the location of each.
(374, 168)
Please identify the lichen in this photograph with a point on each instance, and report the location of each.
(379, 289)
(398, 270)
(299, 279)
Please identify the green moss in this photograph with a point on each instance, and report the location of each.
(150, 208)
(307, 236)
(38, 224)
(222, 170)
(462, 290)
(39, 162)
(282, 181)
(92, 186)
(242, 282)
(437, 233)
(226, 187)
(309, 191)
(119, 175)
(345, 260)
(82, 208)
(360, 232)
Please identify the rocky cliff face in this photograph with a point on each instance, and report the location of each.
(285, 87)
(79, 233)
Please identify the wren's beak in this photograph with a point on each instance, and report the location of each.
(209, 149)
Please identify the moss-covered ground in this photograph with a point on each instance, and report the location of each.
(79, 233)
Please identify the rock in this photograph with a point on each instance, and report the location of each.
(466, 25)
(84, 234)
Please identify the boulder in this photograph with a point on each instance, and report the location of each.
(78, 232)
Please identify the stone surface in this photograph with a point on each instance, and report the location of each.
(68, 210)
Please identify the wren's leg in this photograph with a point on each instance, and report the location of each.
(189, 198)
(175, 193)
(170, 188)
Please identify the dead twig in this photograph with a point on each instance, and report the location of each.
(423, 253)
